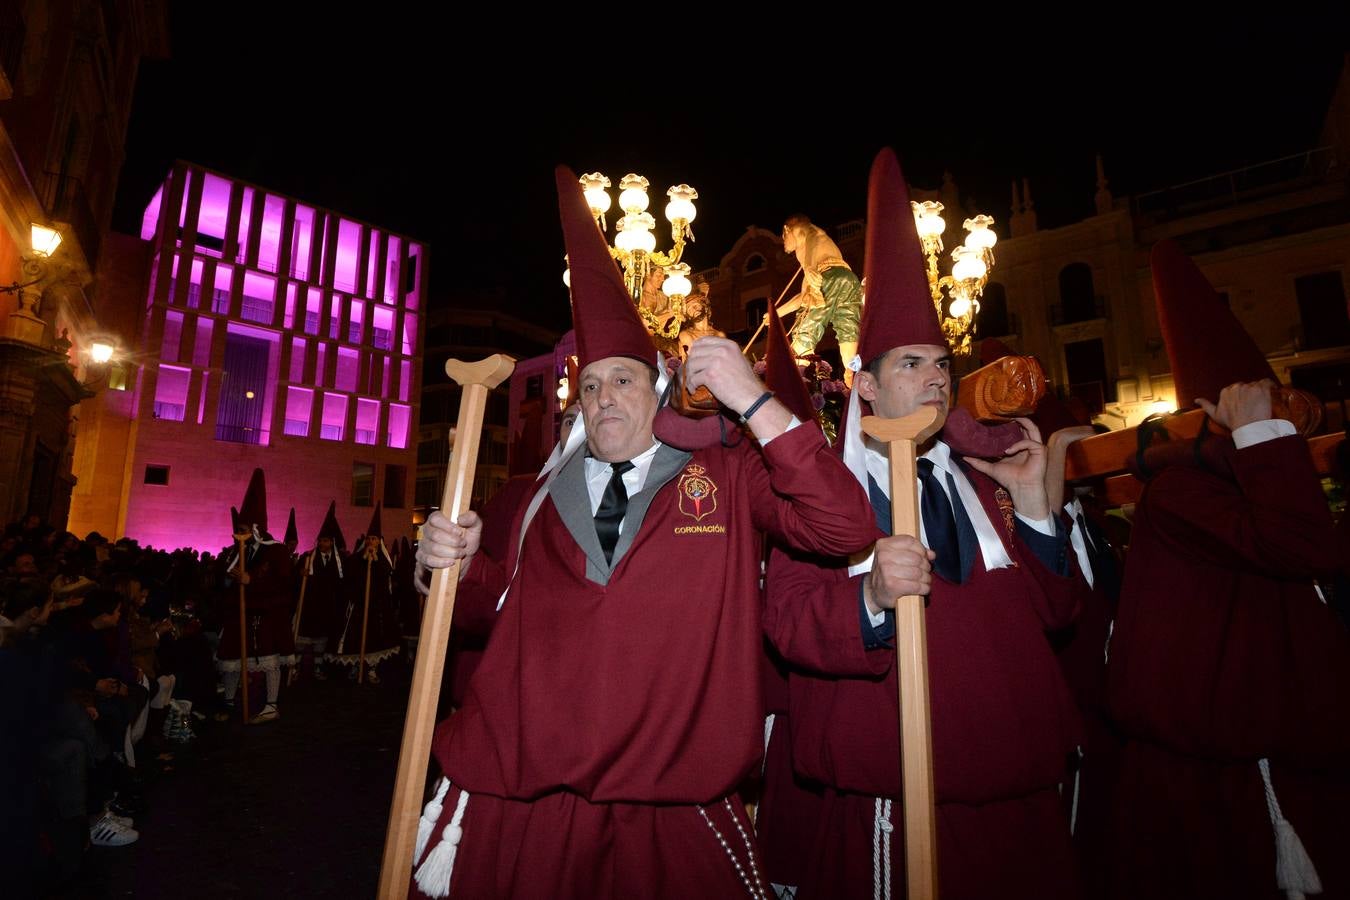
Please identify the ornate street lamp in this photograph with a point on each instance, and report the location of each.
(44, 242)
(971, 263)
(635, 245)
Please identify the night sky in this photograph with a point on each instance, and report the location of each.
(409, 126)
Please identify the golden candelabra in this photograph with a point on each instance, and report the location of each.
(971, 264)
(661, 307)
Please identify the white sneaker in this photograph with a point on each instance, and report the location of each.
(107, 832)
(124, 821)
(269, 714)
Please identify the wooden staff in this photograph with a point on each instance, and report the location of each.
(365, 619)
(475, 379)
(243, 626)
(300, 607)
(750, 342)
(911, 650)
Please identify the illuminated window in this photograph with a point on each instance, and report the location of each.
(398, 425)
(298, 348)
(348, 367)
(171, 391)
(173, 333)
(313, 306)
(301, 239)
(358, 310)
(299, 403)
(201, 347)
(220, 294)
(274, 210)
(367, 420)
(348, 249)
(382, 328)
(258, 293)
(321, 366)
(334, 423)
(409, 333)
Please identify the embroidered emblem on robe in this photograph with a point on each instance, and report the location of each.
(1005, 506)
(698, 493)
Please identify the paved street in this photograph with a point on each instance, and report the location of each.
(294, 808)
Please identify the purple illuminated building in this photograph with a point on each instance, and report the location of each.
(273, 334)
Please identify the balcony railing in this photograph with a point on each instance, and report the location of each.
(239, 434)
(172, 412)
(1238, 185)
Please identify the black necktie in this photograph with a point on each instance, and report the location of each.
(1100, 558)
(939, 524)
(613, 506)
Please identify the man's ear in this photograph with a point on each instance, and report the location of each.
(866, 386)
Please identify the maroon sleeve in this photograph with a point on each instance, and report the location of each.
(805, 497)
(811, 616)
(499, 513)
(1056, 599)
(483, 582)
(1273, 521)
(477, 594)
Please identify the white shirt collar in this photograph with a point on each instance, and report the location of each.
(598, 473)
(879, 464)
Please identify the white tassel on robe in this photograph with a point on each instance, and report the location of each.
(433, 876)
(1294, 870)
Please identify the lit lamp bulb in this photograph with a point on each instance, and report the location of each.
(677, 282)
(45, 240)
(633, 198)
(594, 186)
(680, 210)
(960, 307)
(567, 272)
(968, 265)
(981, 236)
(928, 218)
(100, 352)
(635, 233)
(563, 387)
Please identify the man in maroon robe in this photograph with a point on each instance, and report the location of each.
(266, 574)
(618, 706)
(1228, 675)
(325, 596)
(368, 631)
(1003, 722)
(473, 622)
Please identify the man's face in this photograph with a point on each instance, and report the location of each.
(618, 403)
(25, 565)
(372, 542)
(908, 377)
(325, 545)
